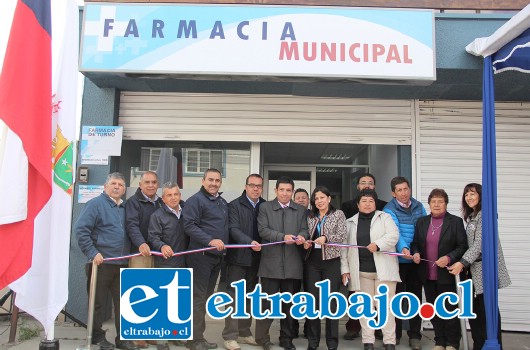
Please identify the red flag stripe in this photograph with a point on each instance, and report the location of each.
(25, 107)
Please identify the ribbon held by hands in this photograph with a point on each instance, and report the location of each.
(243, 246)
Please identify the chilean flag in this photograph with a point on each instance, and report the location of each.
(26, 109)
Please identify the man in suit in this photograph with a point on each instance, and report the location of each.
(281, 269)
(243, 263)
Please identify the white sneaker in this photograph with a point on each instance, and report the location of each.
(438, 347)
(247, 340)
(450, 347)
(231, 345)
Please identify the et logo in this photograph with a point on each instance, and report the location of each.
(156, 304)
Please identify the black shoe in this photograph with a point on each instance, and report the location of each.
(126, 345)
(312, 348)
(289, 346)
(179, 343)
(368, 346)
(267, 345)
(350, 335)
(103, 344)
(378, 334)
(389, 346)
(332, 348)
(210, 345)
(197, 345)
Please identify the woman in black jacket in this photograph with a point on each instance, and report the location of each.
(440, 238)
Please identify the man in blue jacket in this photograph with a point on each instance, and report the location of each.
(206, 220)
(101, 234)
(243, 263)
(405, 211)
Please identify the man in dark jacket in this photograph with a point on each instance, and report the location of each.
(206, 221)
(365, 181)
(166, 231)
(100, 235)
(166, 235)
(280, 266)
(138, 212)
(243, 263)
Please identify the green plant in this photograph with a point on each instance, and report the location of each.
(27, 331)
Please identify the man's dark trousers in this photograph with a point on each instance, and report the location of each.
(241, 327)
(410, 282)
(287, 330)
(206, 268)
(108, 280)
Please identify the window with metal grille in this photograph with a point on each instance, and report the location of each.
(197, 161)
(150, 157)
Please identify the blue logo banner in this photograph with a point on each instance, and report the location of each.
(259, 40)
(156, 304)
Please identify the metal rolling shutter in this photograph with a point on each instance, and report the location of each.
(264, 118)
(449, 145)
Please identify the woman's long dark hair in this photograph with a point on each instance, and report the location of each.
(314, 210)
(466, 209)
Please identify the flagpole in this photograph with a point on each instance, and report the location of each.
(462, 321)
(14, 319)
(50, 343)
(91, 303)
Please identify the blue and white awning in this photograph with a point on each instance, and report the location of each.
(506, 49)
(495, 43)
(514, 55)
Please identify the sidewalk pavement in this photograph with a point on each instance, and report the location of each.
(73, 337)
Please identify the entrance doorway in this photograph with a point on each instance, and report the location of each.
(335, 166)
(303, 177)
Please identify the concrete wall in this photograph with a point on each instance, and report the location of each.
(100, 107)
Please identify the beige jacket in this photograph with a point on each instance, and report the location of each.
(384, 233)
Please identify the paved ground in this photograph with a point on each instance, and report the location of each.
(73, 337)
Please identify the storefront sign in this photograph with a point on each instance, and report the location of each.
(337, 42)
(87, 192)
(100, 142)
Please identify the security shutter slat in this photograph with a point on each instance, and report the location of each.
(450, 156)
(264, 118)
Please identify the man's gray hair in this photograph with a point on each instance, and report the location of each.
(169, 185)
(148, 172)
(211, 170)
(114, 175)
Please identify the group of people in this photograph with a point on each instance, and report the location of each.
(306, 226)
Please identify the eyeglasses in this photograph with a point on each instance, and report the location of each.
(366, 183)
(254, 186)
